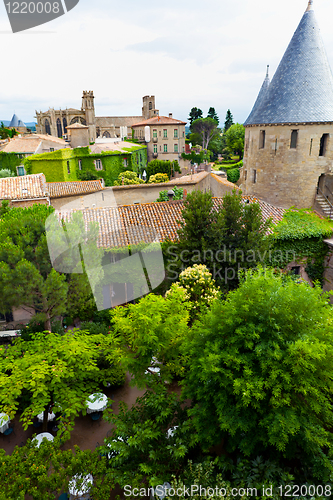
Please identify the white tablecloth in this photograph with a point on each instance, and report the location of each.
(4, 422)
(87, 483)
(44, 435)
(96, 402)
(50, 417)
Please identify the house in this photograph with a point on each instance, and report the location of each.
(24, 191)
(164, 136)
(289, 132)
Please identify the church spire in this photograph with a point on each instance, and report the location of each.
(310, 6)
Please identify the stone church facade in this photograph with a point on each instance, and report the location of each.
(289, 132)
(55, 122)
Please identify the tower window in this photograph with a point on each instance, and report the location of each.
(150, 105)
(245, 175)
(59, 129)
(254, 176)
(311, 142)
(323, 144)
(293, 139)
(262, 139)
(276, 142)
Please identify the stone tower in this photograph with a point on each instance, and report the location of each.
(148, 108)
(289, 132)
(88, 107)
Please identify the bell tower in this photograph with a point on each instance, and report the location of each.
(88, 107)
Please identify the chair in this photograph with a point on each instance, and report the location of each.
(96, 416)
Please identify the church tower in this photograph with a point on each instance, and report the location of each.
(289, 132)
(88, 107)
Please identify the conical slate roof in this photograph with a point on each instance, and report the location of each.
(260, 98)
(14, 121)
(301, 90)
(21, 124)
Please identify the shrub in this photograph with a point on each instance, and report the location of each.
(162, 167)
(87, 175)
(157, 178)
(128, 178)
(233, 175)
(5, 172)
(179, 194)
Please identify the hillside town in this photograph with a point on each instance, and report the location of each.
(166, 296)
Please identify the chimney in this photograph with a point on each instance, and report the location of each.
(171, 194)
(170, 115)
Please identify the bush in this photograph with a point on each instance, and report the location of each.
(95, 328)
(128, 178)
(5, 172)
(157, 178)
(233, 175)
(162, 167)
(87, 175)
(179, 194)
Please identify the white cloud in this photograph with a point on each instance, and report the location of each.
(188, 53)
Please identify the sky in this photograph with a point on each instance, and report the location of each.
(187, 53)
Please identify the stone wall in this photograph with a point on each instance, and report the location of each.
(282, 175)
(219, 186)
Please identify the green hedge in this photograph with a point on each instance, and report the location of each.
(233, 175)
(162, 167)
(10, 161)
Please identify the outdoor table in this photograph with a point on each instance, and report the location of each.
(4, 422)
(44, 435)
(50, 417)
(86, 484)
(96, 402)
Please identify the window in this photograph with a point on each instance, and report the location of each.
(125, 162)
(175, 148)
(159, 133)
(155, 148)
(262, 139)
(98, 165)
(20, 170)
(150, 105)
(59, 128)
(47, 127)
(165, 148)
(64, 122)
(68, 168)
(296, 270)
(51, 150)
(311, 142)
(293, 139)
(80, 164)
(276, 145)
(165, 133)
(254, 176)
(175, 133)
(323, 144)
(245, 175)
(154, 132)
(183, 134)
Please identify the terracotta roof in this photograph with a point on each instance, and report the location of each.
(159, 120)
(61, 189)
(30, 143)
(120, 146)
(23, 187)
(148, 222)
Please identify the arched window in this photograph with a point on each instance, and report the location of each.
(98, 132)
(47, 127)
(64, 122)
(59, 129)
(150, 105)
(107, 134)
(78, 119)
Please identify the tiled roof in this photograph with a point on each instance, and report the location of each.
(301, 90)
(159, 120)
(120, 146)
(76, 125)
(30, 143)
(148, 222)
(23, 187)
(61, 189)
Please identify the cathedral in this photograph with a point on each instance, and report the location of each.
(288, 154)
(55, 122)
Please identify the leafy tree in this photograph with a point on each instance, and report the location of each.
(195, 114)
(206, 129)
(27, 278)
(235, 139)
(5, 172)
(155, 179)
(212, 114)
(163, 195)
(127, 178)
(57, 370)
(229, 120)
(261, 374)
(196, 155)
(233, 174)
(6, 132)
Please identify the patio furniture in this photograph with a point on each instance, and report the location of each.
(9, 431)
(95, 416)
(96, 403)
(83, 489)
(4, 422)
(50, 417)
(44, 435)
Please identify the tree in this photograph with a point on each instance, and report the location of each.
(196, 155)
(235, 139)
(212, 114)
(261, 374)
(206, 129)
(229, 120)
(127, 178)
(6, 132)
(5, 172)
(195, 114)
(27, 277)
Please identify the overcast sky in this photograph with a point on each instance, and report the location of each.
(186, 52)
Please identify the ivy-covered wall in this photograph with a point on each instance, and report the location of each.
(54, 165)
(300, 237)
(10, 161)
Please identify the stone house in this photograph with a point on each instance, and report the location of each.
(24, 191)
(289, 132)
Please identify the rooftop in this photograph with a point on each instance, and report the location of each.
(120, 146)
(29, 143)
(159, 120)
(23, 187)
(74, 188)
